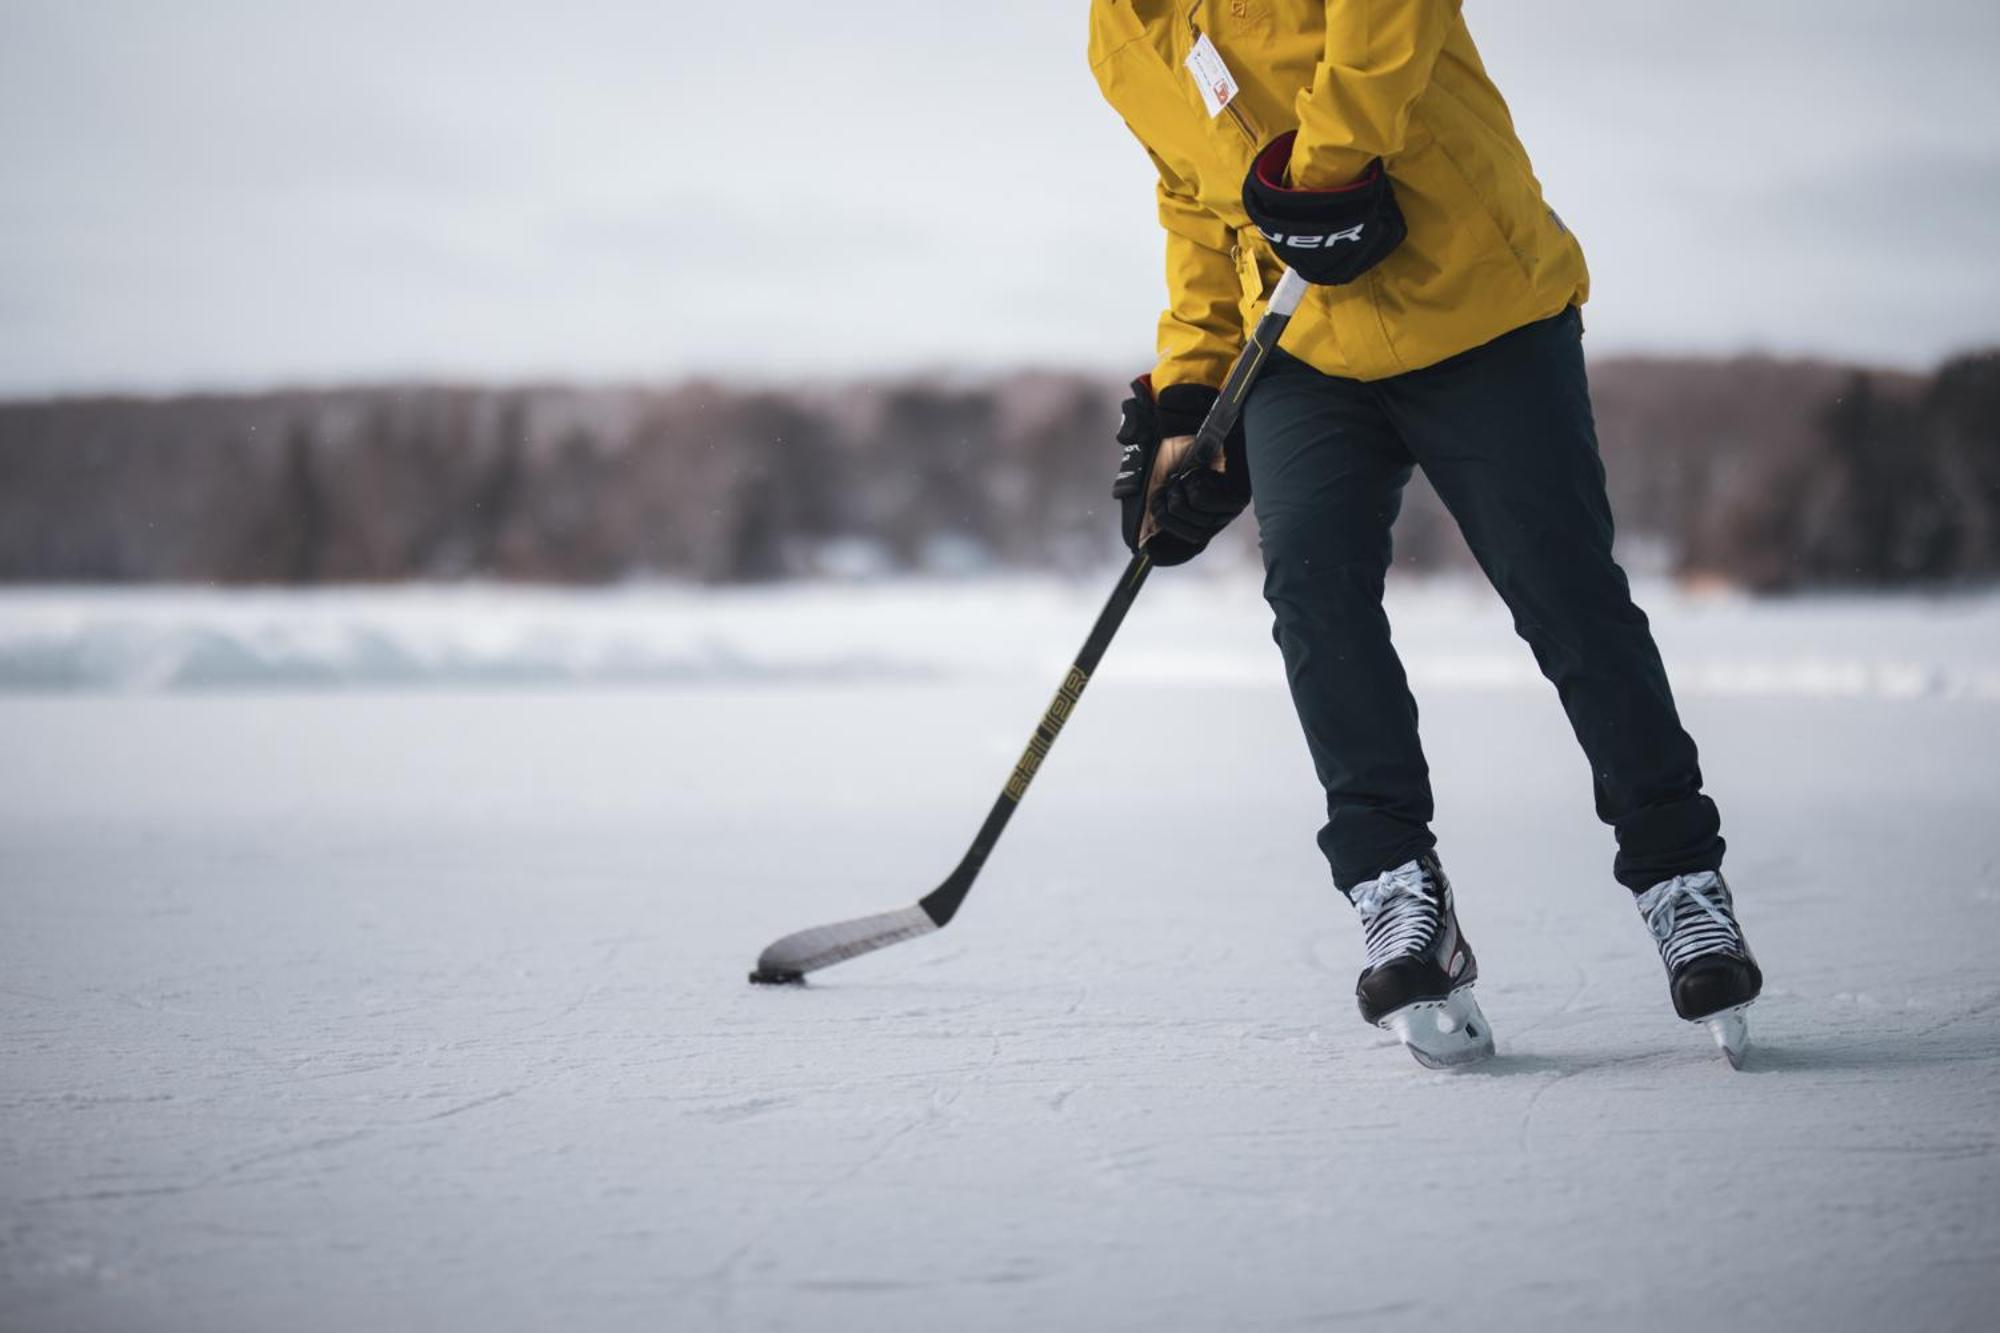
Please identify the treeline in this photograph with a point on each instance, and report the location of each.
(1769, 474)
(553, 483)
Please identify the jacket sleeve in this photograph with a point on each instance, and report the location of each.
(1201, 330)
(1379, 56)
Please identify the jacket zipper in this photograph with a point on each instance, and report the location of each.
(1237, 253)
(1242, 123)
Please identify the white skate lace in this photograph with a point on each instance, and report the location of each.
(1690, 916)
(1399, 912)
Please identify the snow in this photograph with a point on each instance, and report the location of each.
(376, 960)
(1199, 630)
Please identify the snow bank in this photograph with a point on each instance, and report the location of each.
(1188, 631)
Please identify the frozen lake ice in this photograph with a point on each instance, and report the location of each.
(376, 960)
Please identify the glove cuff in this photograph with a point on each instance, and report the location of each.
(1179, 409)
(1271, 170)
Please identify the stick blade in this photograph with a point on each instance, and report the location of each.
(787, 961)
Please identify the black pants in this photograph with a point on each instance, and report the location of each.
(1504, 432)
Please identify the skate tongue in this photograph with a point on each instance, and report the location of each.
(1690, 918)
(1372, 897)
(1659, 903)
(1400, 911)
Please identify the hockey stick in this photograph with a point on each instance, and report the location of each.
(788, 960)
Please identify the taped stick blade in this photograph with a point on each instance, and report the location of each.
(788, 960)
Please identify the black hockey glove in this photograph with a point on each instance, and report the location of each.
(1173, 517)
(1329, 236)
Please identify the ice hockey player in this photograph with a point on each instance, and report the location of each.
(1362, 143)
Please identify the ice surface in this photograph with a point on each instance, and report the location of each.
(420, 1003)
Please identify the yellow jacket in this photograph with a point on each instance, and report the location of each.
(1359, 79)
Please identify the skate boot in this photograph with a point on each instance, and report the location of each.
(1418, 982)
(1710, 971)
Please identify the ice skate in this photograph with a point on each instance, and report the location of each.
(1418, 981)
(1710, 972)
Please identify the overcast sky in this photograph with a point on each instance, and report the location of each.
(218, 194)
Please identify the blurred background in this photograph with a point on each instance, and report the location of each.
(292, 294)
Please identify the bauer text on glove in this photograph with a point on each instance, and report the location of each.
(1330, 236)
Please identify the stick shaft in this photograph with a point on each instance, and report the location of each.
(1243, 372)
(789, 959)
(942, 902)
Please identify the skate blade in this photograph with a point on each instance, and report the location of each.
(1731, 1030)
(1442, 1034)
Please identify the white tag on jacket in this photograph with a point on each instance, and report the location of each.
(1217, 84)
